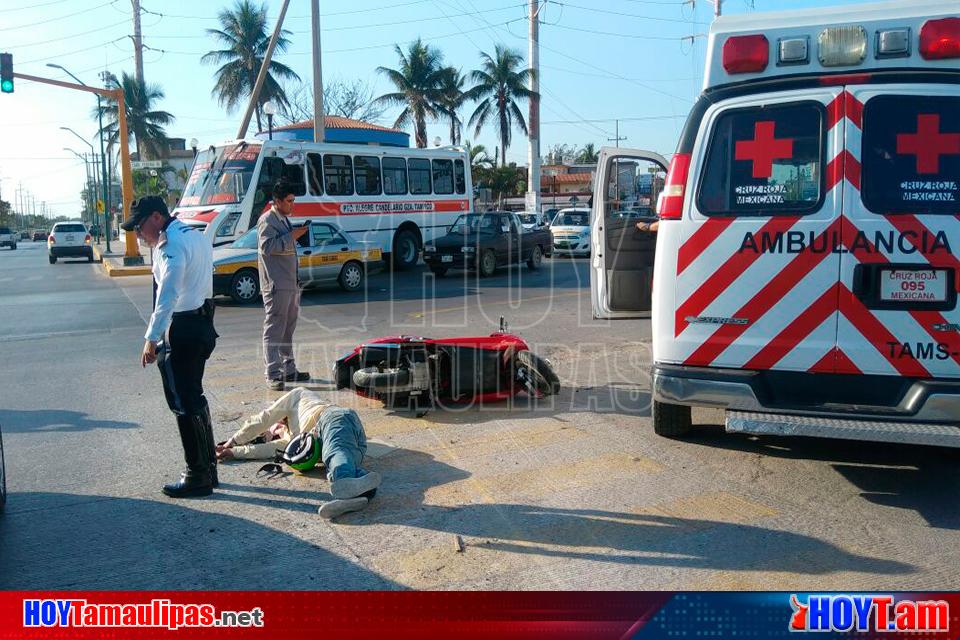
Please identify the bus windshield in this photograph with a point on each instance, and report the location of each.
(220, 176)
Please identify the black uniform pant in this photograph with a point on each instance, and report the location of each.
(182, 357)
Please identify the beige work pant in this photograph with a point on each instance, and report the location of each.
(282, 307)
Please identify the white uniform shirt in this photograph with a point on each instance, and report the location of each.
(183, 269)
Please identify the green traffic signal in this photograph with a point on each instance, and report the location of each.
(6, 86)
(6, 73)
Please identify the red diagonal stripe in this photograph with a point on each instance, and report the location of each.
(925, 319)
(826, 364)
(774, 291)
(785, 341)
(843, 165)
(701, 239)
(835, 111)
(853, 109)
(878, 335)
(723, 277)
(943, 259)
(844, 364)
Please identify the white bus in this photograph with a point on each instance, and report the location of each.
(397, 197)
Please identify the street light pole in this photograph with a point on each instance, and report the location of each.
(270, 110)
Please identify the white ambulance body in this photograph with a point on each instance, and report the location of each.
(808, 257)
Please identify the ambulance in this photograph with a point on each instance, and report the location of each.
(805, 270)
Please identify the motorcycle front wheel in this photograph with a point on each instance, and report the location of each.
(376, 380)
(536, 374)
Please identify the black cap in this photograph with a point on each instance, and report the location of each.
(141, 209)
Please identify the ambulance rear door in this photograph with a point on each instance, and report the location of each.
(756, 270)
(901, 232)
(626, 187)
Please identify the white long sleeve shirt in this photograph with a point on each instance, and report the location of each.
(183, 270)
(301, 407)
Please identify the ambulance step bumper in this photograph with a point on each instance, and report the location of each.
(940, 435)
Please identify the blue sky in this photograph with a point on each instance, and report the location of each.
(600, 60)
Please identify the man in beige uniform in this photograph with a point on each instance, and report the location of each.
(343, 445)
(277, 258)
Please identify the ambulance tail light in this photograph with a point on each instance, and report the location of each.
(746, 54)
(670, 202)
(940, 39)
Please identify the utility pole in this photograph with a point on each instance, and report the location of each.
(319, 122)
(716, 8)
(616, 136)
(137, 42)
(267, 56)
(533, 121)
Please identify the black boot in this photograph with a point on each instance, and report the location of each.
(195, 480)
(211, 445)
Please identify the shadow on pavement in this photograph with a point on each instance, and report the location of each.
(918, 478)
(103, 542)
(605, 536)
(25, 421)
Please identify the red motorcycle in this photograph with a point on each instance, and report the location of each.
(421, 373)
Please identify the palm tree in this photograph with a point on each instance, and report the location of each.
(416, 80)
(144, 122)
(588, 155)
(451, 99)
(243, 32)
(499, 85)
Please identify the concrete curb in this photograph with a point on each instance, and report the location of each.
(115, 268)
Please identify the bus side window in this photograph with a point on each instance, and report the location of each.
(270, 171)
(459, 176)
(395, 176)
(366, 172)
(419, 171)
(442, 176)
(338, 174)
(315, 173)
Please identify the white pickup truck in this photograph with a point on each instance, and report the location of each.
(8, 238)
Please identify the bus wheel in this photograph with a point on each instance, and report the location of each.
(406, 249)
(245, 286)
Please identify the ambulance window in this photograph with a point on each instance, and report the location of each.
(764, 161)
(911, 154)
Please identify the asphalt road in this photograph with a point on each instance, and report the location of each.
(571, 493)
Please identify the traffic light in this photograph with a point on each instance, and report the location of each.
(6, 72)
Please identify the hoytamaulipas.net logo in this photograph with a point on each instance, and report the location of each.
(864, 612)
(159, 612)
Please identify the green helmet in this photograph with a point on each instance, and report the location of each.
(303, 452)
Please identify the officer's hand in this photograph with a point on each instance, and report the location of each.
(149, 355)
(299, 231)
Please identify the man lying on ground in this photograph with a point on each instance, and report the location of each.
(342, 440)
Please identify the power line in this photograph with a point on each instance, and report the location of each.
(32, 6)
(49, 20)
(632, 36)
(70, 53)
(323, 15)
(608, 77)
(75, 35)
(632, 119)
(620, 13)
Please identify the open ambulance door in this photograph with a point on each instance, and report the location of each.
(625, 191)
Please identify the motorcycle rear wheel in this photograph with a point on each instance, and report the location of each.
(536, 374)
(376, 380)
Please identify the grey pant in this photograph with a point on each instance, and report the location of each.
(282, 307)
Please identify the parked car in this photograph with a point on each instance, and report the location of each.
(484, 241)
(24, 235)
(8, 238)
(69, 240)
(39, 236)
(325, 256)
(571, 232)
(533, 219)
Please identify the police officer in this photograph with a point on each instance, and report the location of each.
(277, 258)
(180, 336)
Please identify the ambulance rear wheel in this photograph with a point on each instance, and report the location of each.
(671, 420)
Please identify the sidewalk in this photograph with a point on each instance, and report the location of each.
(112, 261)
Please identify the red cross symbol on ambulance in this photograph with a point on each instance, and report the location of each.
(928, 144)
(764, 148)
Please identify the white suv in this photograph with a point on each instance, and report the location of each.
(8, 238)
(69, 239)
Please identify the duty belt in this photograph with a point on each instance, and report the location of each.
(205, 310)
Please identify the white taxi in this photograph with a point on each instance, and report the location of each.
(325, 256)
